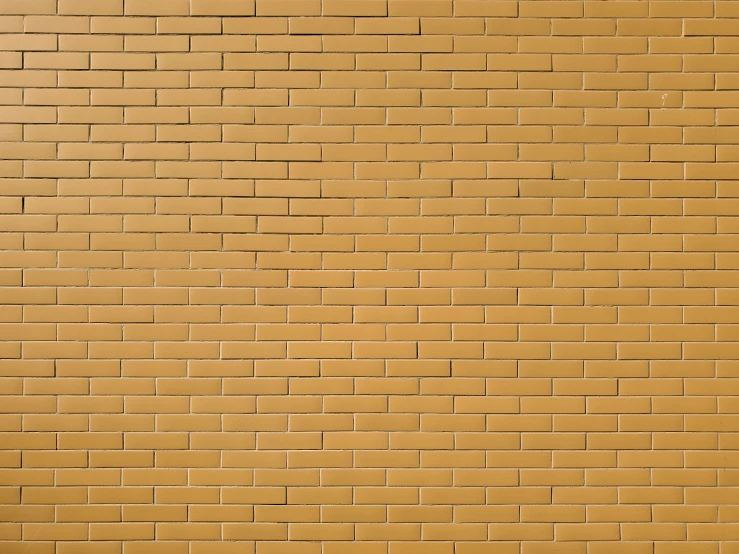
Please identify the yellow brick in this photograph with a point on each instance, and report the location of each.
(418, 275)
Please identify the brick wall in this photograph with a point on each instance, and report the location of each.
(433, 276)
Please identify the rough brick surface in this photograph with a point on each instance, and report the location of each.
(431, 276)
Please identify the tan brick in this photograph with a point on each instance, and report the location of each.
(418, 275)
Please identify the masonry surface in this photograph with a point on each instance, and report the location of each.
(369, 277)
